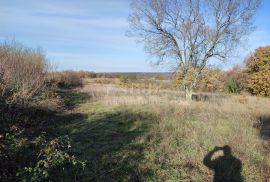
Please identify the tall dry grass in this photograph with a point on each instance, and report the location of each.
(185, 132)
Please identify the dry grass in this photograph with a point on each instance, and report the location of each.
(184, 133)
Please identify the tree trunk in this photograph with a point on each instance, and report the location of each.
(188, 94)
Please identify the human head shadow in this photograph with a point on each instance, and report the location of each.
(108, 142)
(227, 167)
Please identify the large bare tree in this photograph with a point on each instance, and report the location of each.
(191, 33)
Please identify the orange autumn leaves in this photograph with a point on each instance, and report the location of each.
(258, 69)
(254, 77)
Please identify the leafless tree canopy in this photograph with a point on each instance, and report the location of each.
(191, 32)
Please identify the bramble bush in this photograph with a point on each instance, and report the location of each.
(52, 157)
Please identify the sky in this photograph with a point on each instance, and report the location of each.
(91, 34)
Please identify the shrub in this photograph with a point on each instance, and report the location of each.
(52, 157)
(22, 72)
(35, 160)
(233, 86)
(70, 79)
(236, 80)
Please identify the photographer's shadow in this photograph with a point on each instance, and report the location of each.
(227, 168)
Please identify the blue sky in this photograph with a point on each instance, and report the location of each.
(91, 34)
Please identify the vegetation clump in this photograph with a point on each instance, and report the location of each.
(28, 103)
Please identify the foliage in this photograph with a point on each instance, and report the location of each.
(258, 68)
(236, 80)
(185, 78)
(34, 159)
(212, 80)
(232, 86)
(53, 156)
(28, 100)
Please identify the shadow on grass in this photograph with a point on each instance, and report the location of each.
(27, 123)
(35, 119)
(264, 127)
(226, 167)
(71, 98)
(112, 143)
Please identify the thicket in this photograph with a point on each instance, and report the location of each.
(28, 94)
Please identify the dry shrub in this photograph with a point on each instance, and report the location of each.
(22, 72)
(70, 79)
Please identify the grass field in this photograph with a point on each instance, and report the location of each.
(133, 135)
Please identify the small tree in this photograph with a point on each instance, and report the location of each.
(190, 33)
(258, 66)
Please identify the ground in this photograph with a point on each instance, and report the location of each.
(138, 135)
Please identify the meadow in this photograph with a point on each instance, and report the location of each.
(83, 126)
(130, 134)
(135, 90)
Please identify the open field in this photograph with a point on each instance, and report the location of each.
(135, 90)
(133, 135)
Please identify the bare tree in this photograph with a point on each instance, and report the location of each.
(190, 33)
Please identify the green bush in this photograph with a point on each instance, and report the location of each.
(52, 157)
(233, 86)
